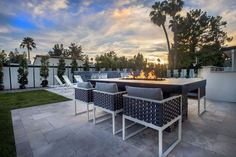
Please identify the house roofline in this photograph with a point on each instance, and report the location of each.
(57, 57)
(228, 48)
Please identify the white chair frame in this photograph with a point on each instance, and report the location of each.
(81, 112)
(58, 80)
(68, 82)
(159, 129)
(113, 113)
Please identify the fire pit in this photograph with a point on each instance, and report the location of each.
(143, 76)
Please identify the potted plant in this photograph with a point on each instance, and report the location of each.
(44, 71)
(61, 68)
(1, 73)
(23, 72)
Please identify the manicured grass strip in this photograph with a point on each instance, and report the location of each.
(10, 101)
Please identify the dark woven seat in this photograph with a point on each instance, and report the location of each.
(84, 94)
(156, 114)
(109, 102)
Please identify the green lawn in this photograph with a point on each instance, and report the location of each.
(10, 101)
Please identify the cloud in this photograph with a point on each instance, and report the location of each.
(99, 26)
(44, 6)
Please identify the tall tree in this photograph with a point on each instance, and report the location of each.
(58, 50)
(75, 51)
(172, 8)
(200, 36)
(23, 72)
(86, 64)
(14, 57)
(2, 60)
(74, 67)
(107, 61)
(139, 61)
(28, 43)
(158, 17)
(61, 68)
(44, 70)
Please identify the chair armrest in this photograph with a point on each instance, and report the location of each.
(84, 88)
(84, 94)
(110, 101)
(122, 92)
(152, 100)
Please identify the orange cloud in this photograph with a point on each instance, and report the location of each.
(122, 13)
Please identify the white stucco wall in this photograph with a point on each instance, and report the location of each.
(220, 85)
(33, 80)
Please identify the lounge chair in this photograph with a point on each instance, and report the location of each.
(102, 75)
(59, 81)
(78, 78)
(107, 98)
(145, 106)
(68, 82)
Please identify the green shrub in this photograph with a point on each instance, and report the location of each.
(23, 72)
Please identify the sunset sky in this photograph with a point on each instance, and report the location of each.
(98, 25)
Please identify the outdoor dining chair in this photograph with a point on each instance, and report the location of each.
(147, 107)
(107, 98)
(84, 94)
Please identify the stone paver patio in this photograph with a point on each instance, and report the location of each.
(54, 131)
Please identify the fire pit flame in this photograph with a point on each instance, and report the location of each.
(144, 76)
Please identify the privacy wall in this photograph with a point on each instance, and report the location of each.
(34, 79)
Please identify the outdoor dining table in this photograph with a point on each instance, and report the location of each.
(169, 86)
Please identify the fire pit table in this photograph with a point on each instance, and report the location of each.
(169, 87)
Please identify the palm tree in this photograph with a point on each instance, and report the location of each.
(29, 44)
(158, 17)
(171, 8)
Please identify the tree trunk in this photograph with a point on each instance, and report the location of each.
(28, 56)
(168, 46)
(175, 42)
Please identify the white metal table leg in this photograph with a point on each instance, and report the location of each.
(160, 142)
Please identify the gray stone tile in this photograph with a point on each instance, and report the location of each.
(57, 134)
(37, 140)
(225, 145)
(23, 148)
(19, 132)
(54, 130)
(55, 149)
(27, 154)
(42, 115)
(21, 139)
(185, 149)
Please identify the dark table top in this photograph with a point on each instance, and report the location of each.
(168, 81)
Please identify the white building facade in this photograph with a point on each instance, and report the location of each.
(53, 61)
